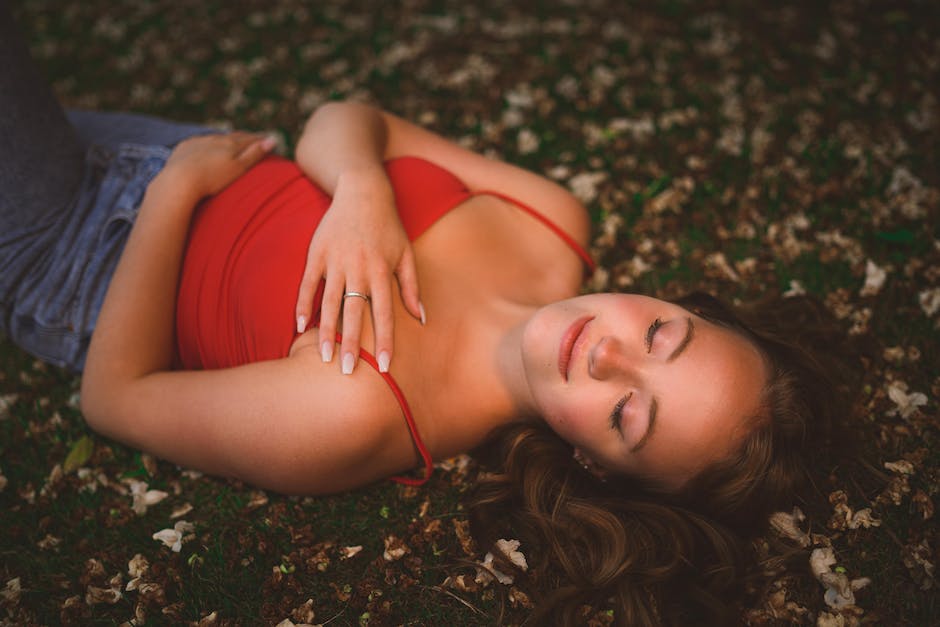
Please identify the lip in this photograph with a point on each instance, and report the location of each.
(570, 344)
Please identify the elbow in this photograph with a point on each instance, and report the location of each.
(96, 404)
(90, 403)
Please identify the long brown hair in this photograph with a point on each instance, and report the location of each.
(655, 557)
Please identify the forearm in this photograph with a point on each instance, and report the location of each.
(134, 334)
(343, 140)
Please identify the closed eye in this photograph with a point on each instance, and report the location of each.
(616, 416)
(657, 323)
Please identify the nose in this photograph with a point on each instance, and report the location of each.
(609, 358)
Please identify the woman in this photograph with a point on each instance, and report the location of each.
(240, 292)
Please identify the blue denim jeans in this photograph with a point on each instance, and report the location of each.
(70, 187)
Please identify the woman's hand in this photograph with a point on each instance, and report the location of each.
(358, 246)
(206, 164)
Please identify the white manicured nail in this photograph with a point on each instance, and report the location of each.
(384, 360)
(301, 324)
(424, 317)
(348, 362)
(326, 351)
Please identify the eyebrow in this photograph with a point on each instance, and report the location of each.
(654, 404)
(684, 343)
(654, 407)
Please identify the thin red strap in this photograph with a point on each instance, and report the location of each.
(409, 419)
(575, 246)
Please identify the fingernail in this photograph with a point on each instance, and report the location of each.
(384, 360)
(348, 362)
(268, 143)
(301, 324)
(326, 351)
(424, 317)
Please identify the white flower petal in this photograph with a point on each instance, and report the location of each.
(930, 301)
(169, 537)
(486, 572)
(173, 538)
(839, 590)
(511, 549)
(906, 404)
(874, 279)
(350, 551)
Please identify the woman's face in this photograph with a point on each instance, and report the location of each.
(641, 386)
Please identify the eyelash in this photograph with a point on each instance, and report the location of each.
(617, 414)
(657, 323)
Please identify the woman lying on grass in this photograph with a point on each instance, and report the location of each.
(384, 299)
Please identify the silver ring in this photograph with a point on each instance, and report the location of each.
(357, 294)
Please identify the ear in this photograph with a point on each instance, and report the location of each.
(590, 465)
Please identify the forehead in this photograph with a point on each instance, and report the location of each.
(706, 404)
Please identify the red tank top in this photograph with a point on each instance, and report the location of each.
(246, 253)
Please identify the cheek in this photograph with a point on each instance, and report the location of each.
(534, 341)
(570, 421)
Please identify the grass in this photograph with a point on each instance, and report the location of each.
(841, 115)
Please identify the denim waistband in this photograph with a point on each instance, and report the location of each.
(54, 279)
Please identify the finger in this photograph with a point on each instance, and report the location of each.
(254, 148)
(313, 272)
(407, 274)
(353, 309)
(329, 314)
(383, 319)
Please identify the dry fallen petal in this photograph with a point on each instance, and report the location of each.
(137, 566)
(874, 279)
(395, 549)
(917, 559)
(923, 503)
(839, 590)
(350, 551)
(95, 595)
(511, 549)
(258, 499)
(906, 404)
(901, 467)
(181, 510)
(304, 613)
(584, 185)
(929, 301)
(11, 592)
(462, 531)
(826, 619)
(788, 525)
(142, 497)
(863, 518)
(6, 402)
(173, 538)
(486, 571)
(209, 619)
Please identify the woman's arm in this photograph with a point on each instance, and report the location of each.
(288, 424)
(134, 334)
(349, 135)
(360, 243)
